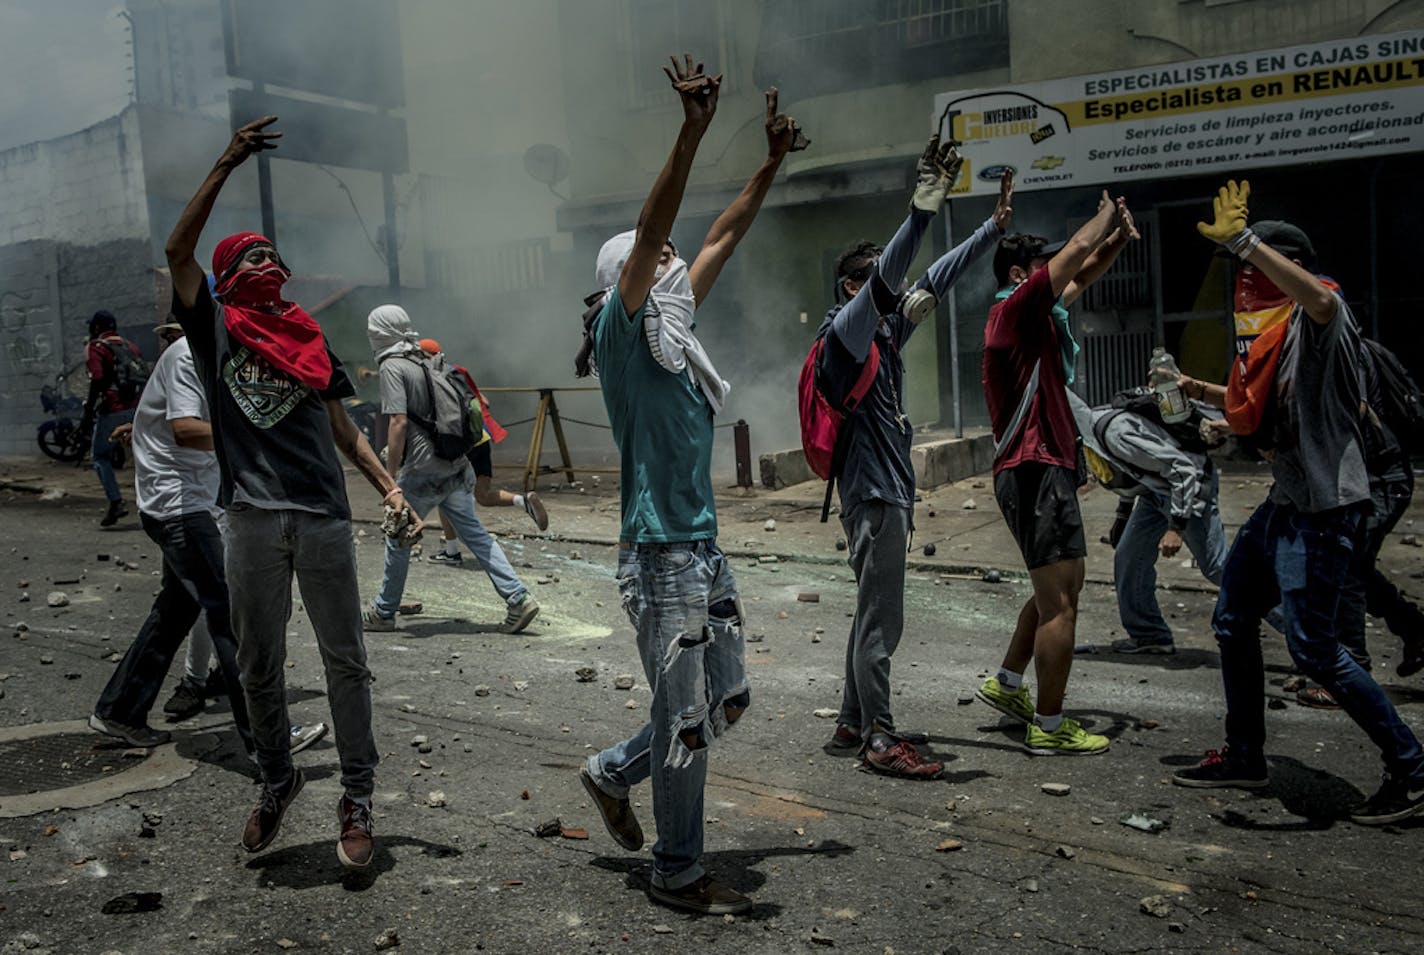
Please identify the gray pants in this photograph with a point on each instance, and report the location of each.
(877, 533)
(264, 549)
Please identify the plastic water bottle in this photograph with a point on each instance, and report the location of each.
(1162, 375)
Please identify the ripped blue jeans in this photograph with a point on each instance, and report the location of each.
(682, 601)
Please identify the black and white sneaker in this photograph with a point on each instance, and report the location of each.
(441, 557)
(1224, 770)
(1396, 799)
(143, 735)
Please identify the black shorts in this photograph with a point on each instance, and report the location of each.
(480, 458)
(1040, 504)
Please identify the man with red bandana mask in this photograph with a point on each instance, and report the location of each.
(274, 391)
(1298, 547)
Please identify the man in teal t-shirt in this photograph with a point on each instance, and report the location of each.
(662, 391)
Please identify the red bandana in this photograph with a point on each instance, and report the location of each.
(257, 317)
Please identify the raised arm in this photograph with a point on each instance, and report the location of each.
(183, 266)
(1069, 261)
(945, 270)
(699, 103)
(1230, 230)
(1104, 255)
(734, 222)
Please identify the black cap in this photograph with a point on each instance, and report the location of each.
(103, 321)
(1021, 249)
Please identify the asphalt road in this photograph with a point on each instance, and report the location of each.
(835, 857)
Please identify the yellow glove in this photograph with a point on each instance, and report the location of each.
(1230, 208)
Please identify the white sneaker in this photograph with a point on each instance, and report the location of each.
(303, 737)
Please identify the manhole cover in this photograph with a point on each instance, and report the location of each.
(59, 761)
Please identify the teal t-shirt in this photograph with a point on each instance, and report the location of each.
(662, 425)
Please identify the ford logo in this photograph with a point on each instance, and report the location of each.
(995, 173)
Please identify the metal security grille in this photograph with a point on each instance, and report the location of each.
(921, 22)
(1113, 361)
(1128, 284)
(56, 762)
(652, 28)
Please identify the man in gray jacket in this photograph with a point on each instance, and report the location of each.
(1168, 485)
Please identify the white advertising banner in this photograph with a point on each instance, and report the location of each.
(1343, 99)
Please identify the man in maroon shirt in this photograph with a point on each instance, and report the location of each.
(112, 399)
(1029, 356)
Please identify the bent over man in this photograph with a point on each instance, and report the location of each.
(274, 389)
(662, 390)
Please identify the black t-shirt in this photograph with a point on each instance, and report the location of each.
(271, 432)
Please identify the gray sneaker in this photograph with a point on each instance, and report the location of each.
(144, 735)
(303, 737)
(1133, 645)
(617, 814)
(372, 622)
(535, 509)
(520, 615)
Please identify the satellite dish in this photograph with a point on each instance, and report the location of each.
(546, 163)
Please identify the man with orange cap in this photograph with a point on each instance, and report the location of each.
(274, 393)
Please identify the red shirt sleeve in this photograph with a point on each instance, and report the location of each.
(96, 361)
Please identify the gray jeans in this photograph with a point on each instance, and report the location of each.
(877, 533)
(264, 549)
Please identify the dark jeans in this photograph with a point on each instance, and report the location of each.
(192, 582)
(1368, 589)
(1303, 562)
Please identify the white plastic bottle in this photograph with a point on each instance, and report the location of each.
(1162, 375)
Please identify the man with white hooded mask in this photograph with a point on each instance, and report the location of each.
(662, 392)
(428, 480)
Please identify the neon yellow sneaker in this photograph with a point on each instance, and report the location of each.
(1069, 739)
(1017, 704)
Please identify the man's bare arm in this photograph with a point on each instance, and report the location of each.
(1103, 256)
(1296, 281)
(699, 103)
(734, 222)
(192, 433)
(1069, 261)
(396, 426)
(183, 241)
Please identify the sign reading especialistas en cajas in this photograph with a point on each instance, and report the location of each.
(1342, 99)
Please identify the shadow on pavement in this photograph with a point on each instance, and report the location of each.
(733, 867)
(315, 864)
(1186, 658)
(1315, 798)
(443, 627)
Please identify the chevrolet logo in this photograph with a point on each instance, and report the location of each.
(1048, 162)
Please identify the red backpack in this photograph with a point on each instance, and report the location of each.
(821, 421)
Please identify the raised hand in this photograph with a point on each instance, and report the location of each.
(698, 91)
(1004, 208)
(935, 172)
(1125, 224)
(783, 135)
(1230, 211)
(249, 139)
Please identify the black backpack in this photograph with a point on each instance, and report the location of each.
(452, 428)
(1142, 401)
(1402, 403)
(128, 373)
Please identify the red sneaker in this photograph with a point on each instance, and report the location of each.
(845, 737)
(357, 845)
(896, 757)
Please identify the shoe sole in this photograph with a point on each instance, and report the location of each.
(1055, 751)
(388, 627)
(301, 781)
(178, 716)
(1221, 783)
(983, 697)
(1310, 703)
(897, 774)
(672, 901)
(598, 795)
(1386, 820)
(1151, 649)
(99, 727)
(534, 507)
(525, 619)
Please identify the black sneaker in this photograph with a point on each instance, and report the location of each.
(141, 735)
(705, 896)
(535, 509)
(1223, 770)
(184, 702)
(1396, 799)
(1413, 660)
(1133, 645)
(441, 557)
(117, 509)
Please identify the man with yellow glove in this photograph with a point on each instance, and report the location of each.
(1296, 548)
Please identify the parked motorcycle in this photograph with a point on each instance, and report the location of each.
(60, 437)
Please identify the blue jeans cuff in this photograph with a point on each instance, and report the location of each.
(678, 880)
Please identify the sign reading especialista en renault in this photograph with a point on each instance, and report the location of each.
(1338, 100)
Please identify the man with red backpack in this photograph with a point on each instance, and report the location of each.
(117, 373)
(857, 367)
(1297, 548)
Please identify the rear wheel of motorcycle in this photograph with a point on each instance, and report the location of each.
(58, 442)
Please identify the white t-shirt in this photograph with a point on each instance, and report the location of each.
(170, 480)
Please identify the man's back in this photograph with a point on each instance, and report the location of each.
(171, 480)
(405, 390)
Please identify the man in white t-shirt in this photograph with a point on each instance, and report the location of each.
(176, 485)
